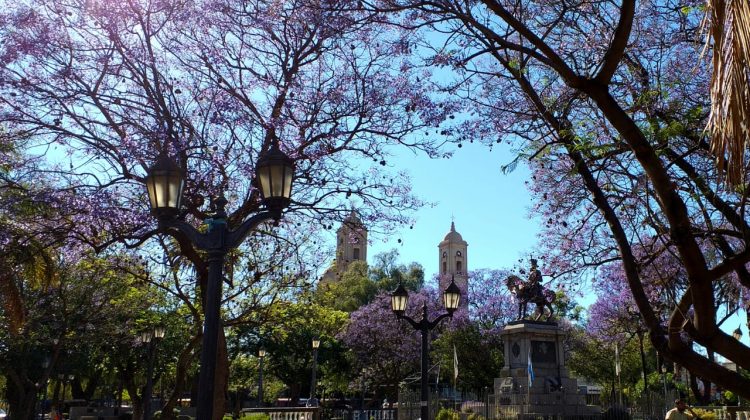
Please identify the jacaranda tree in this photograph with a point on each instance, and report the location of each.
(102, 88)
(608, 103)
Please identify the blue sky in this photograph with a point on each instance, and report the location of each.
(490, 209)
(491, 212)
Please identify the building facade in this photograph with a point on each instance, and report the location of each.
(351, 245)
(453, 262)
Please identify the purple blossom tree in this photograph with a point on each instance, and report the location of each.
(387, 350)
(101, 88)
(608, 106)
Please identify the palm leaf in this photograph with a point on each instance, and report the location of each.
(729, 28)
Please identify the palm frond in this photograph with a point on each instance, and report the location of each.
(729, 29)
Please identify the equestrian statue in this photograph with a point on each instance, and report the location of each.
(531, 291)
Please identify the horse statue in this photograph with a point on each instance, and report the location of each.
(531, 291)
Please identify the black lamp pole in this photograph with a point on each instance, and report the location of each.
(313, 382)
(151, 338)
(399, 300)
(261, 356)
(165, 183)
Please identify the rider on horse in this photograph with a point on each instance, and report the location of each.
(531, 291)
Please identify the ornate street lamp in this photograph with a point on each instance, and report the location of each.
(165, 182)
(275, 172)
(151, 338)
(312, 401)
(399, 300)
(159, 332)
(261, 356)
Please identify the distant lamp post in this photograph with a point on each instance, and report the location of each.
(60, 380)
(150, 338)
(165, 183)
(737, 334)
(45, 366)
(312, 401)
(261, 356)
(399, 301)
(69, 380)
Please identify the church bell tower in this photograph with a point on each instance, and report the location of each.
(351, 245)
(453, 263)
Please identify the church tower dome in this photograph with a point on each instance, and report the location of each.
(453, 262)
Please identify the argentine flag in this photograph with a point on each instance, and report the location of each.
(531, 370)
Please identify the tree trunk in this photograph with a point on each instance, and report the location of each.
(183, 363)
(21, 402)
(646, 394)
(135, 398)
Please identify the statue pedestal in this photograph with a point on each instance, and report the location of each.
(534, 380)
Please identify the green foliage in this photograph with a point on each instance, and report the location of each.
(353, 290)
(387, 273)
(287, 342)
(447, 414)
(475, 416)
(704, 414)
(566, 307)
(157, 414)
(256, 416)
(655, 383)
(730, 398)
(359, 284)
(593, 358)
(479, 357)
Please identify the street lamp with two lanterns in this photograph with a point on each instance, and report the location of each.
(150, 338)
(399, 302)
(165, 183)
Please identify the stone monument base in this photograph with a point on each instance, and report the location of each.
(534, 380)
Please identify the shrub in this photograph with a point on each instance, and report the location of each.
(447, 414)
(704, 414)
(256, 416)
(476, 416)
(157, 414)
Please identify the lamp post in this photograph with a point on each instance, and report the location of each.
(45, 367)
(315, 345)
(165, 182)
(737, 334)
(60, 380)
(150, 338)
(261, 356)
(399, 300)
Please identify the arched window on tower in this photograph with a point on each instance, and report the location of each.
(445, 267)
(356, 254)
(459, 266)
(445, 254)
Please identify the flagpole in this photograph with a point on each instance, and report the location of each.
(455, 373)
(530, 373)
(617, 371)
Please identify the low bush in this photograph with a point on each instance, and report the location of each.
(447, 414)
(256, 416)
